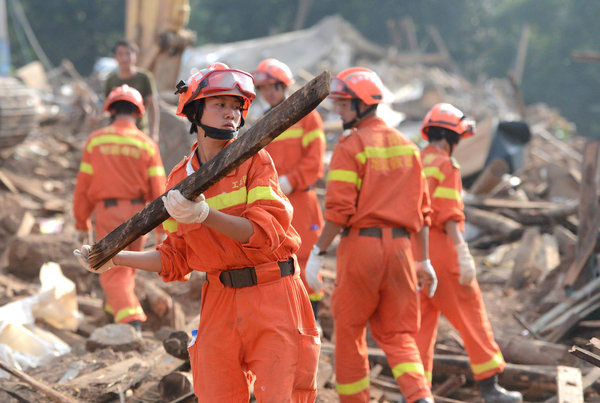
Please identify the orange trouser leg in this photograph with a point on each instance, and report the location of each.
(267, 331)
(308, 221)
(427, 334)
(118, 283)
(376, 283)
(463, 306)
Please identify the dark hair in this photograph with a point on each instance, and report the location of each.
(128, 44)
(436, 133)
(123, 108)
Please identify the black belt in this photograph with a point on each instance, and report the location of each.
(246, 277)
(114, 202)
(377, 232)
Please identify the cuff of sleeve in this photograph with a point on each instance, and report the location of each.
(83, 225)
(336, 218)
(169, 272)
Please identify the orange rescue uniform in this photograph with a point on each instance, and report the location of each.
(376, 190)
(120, 171)
(266, 330)
(462, 305)
(298, 154)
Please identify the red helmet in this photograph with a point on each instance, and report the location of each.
(448, 117)
(271, 71)
(216, 79)
(128, 94)
(357, 82)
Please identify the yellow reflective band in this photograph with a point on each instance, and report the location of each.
(384, 152)
(316, 296)
(86, 168)
(311, 136)
(116, 139)
(354, 387)
(343, 175)
(156, 171)
(446, 193)
(125, 312)
(429, 376)
(170, 225)
(434, 172)
(225, 200)
(289, 134)
(108, 309)
(494, 363)
(405, 367)
(263, 193)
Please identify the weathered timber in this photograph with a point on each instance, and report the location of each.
(495, 223)
(490, 177)
(519, 350)
(567, 321)
(37, 385)
(569, 383)
(589, 214)
(450, 385)
(585, 355)
(525, 259)
(290, 111)
(543, 321)
(175, 385)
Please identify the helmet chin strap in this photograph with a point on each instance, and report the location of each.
(215, 133)
(359, 115)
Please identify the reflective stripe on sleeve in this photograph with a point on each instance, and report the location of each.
(225, 200)
(86, 168)
(263, 193)
(311, 136)
(343, 175)
(156, 171)
(434, 172)
(170, 225)
(446, 193)
(289, 134)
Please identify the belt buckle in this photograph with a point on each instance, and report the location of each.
(240, 278)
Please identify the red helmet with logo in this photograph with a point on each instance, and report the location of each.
(271, 71)
(217, 79)
(448, 117)
(357, 82)
(128, 94)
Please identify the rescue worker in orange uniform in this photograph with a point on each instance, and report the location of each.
(459, 297)
(298, 157)
(256, 319)
(120, 171)
(376, 196)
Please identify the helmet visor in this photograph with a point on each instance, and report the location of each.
(223, 80)
(262, 77)
(339, 89)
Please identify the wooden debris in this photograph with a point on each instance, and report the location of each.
(262, 133)
(175, 385)
(495, 223)
(525, 260)
(585, 355)
(490, 177)
(519, 350)
(450, 385)
(569, 383)
(176, 345)
(37, 385)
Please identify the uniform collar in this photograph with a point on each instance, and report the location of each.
(124, 124)
(434, 149)
(369, 122)
(192, 164)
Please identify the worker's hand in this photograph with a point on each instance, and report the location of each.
(183, 210)
(313, 266)
(465, 263)
(285, 185)
(426, 276)
(82, 257)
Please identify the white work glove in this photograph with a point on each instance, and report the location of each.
(313, 266)
(465, 263)
(183, 210)
(426, 276)
(83, 255)
(285, 185)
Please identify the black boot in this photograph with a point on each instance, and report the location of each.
(494, 393)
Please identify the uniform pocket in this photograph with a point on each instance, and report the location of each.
(309, 345)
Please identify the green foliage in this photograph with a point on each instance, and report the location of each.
(481, 35)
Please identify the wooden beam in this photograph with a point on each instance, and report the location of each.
(37, 385)
(569, 383)
(585, 355)
(290, 111)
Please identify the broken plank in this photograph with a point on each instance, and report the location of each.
(569, 383)
(585, 355)
(37, 385)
